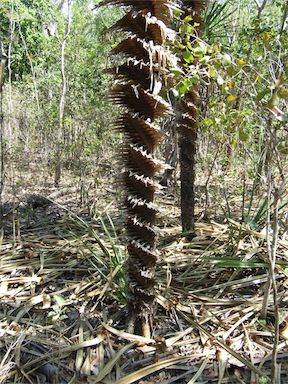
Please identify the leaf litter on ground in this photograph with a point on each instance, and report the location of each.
(62, 299)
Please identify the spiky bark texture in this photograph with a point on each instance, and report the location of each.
(138, 83)
(187, 128)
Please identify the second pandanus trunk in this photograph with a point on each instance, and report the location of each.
(139, 78)
(187, 129)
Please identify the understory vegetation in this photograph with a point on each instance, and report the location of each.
(143, 191)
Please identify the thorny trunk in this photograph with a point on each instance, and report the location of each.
(138, 83)
(187, 129)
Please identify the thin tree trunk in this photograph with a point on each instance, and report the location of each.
(10, 102)
(260, 7)
(171, 155)
(63, 87)
(284, 18)
(2, 163)
(1, 157)
(31, 65)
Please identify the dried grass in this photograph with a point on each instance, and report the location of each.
(208, 325)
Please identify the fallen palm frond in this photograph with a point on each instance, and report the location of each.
(146, 371)
(61, 311)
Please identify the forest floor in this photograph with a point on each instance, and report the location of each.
(62, 290)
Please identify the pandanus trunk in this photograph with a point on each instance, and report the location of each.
(138, 83)
(187, 129)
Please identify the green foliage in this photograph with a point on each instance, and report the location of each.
(29, 37)
(57, 311)
(108, 258)
(218, 19)
(39, 28)
(243, 69)
(240, 63)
